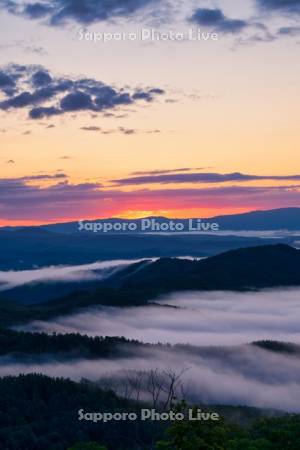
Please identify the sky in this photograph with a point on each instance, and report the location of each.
(145, 123)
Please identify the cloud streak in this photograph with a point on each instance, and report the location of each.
(163, 177)
(119, 130)
(167, 171)
(286, 6)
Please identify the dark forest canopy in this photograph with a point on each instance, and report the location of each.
(41, 413)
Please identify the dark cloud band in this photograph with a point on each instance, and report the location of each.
(166, 178)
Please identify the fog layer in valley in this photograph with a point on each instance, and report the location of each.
(198, 318)
(245, 375)
(85, 272)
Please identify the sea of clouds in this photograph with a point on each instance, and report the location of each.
(198, 318)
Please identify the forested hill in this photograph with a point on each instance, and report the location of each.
(21, 345)
(247, 268)
(244, 269)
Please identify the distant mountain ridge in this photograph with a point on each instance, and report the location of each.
(260, 220)
(30, 248)
(63, 244)
(273, 219)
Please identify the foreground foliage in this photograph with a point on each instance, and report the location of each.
(41, 413)
(269, 433)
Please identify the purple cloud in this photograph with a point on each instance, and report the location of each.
(165, 178)
(21, 199)
(44, 95)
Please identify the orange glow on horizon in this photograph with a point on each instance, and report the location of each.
(132, 215)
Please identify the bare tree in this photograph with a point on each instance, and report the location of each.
(160, 388)
(172, 386)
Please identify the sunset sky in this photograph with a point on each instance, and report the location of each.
(132, 128)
